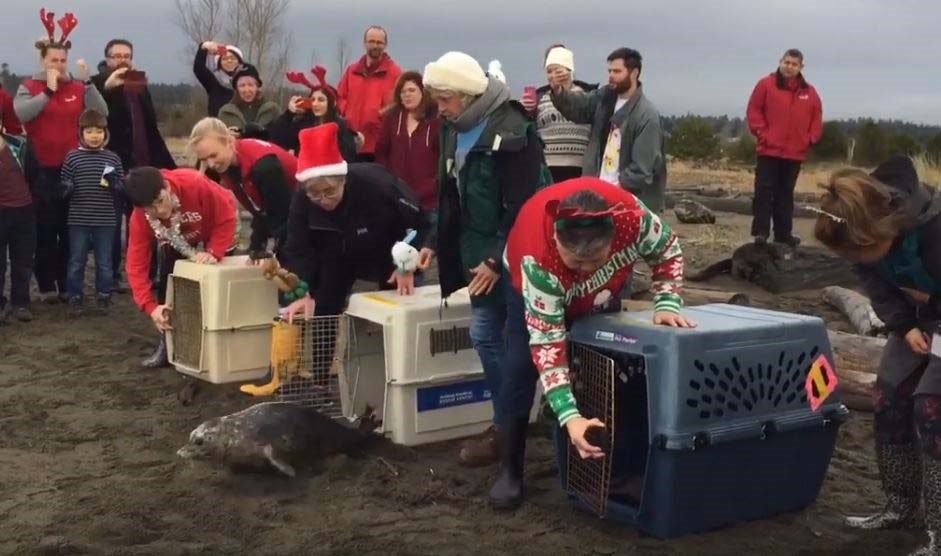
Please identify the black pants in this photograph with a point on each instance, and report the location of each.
(52, 245)
(365, 157)
(562, 173)
(775, 179)
(18, 237)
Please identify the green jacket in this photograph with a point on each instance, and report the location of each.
(239, 116)
(475, 212)
(642, 164)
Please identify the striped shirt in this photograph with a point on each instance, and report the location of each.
(94, 179)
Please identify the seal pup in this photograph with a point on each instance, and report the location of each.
(273, 436)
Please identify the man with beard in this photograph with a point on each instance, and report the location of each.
(366, 88)
(132, 126)
(786, 117)
(626, 143)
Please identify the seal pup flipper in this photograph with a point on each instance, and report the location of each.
(278, 464)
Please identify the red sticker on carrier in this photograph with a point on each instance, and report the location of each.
(821, 382)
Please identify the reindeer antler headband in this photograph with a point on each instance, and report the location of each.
(67, 24)
(320, 72)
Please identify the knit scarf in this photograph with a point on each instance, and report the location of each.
(493, 97)
(172, 234)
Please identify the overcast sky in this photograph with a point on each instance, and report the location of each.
(878, 58)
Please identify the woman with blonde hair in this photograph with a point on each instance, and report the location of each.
(889, 225)
(259, 174)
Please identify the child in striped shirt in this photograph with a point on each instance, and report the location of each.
(92, 177)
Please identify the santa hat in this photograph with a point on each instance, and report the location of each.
(222, 51)
(320, 153)
(561, 56)
(456, 71)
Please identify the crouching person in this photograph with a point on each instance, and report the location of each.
(569, 254)
(889, 225)
(342, 224)
(189, 217)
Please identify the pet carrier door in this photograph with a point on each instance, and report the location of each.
(592, 377)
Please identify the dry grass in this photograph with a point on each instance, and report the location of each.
(739, 177)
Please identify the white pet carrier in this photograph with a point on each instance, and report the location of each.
(411, 361)
(222, 317)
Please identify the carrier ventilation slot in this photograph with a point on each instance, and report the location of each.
(730, 388)
(450, 340)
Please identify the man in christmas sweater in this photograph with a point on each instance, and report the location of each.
(189, 216)
(571, 250)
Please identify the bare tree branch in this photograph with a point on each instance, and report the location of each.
(344, 54)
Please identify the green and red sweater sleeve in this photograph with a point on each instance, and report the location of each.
(660, 249)
(544, 301)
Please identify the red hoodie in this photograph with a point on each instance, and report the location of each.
(11, 124)
(209, 217)
(412, 158)
(364, 91)
(786, 120)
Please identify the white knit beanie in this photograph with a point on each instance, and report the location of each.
(456, 71)
(561, 56)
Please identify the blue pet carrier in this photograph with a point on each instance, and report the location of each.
(733, 420)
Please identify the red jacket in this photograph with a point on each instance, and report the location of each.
(250, 151)
(54, 132)
(362, 92)
(785, 117)
(208, 216)
(412, 158)
(10, 123)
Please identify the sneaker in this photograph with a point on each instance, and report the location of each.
(22, 314)
(790, 241)
(761, 240)
(75, 307)
(104, 305)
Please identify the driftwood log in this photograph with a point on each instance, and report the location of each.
(735, 205)
(857, 309)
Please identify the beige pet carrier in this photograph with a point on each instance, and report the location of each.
(222, 318)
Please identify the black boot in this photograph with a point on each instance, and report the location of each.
(900, 471)
(507, 491)
(159, 357)
(931, 491)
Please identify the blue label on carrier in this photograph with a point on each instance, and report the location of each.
(452, 395)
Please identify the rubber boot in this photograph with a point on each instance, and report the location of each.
(159, 357)
(507, 491)
(931, 491)
(900, 471)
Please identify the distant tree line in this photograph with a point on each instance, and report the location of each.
(862, 141)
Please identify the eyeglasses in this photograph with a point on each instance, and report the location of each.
(331, 193)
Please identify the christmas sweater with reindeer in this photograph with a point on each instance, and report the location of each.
(555, 295)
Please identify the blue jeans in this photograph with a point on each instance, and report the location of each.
(81, 239)
(486, 334)
(519, 371)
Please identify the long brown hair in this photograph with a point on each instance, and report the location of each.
(857, 212)
(426, 107)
